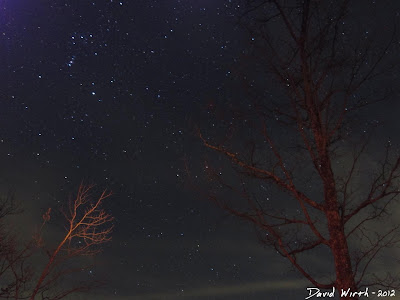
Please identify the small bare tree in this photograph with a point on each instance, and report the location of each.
(88, 227)
(325, 78)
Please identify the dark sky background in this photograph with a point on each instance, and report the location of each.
(109, 92)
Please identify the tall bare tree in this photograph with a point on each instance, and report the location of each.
(326, 76)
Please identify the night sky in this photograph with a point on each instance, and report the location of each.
(111, 92)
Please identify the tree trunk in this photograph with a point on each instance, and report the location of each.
(340, 251)
(337, 237)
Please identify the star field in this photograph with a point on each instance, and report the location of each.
(111, 92)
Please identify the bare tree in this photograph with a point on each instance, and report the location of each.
(88, 227)
(325, 77)
(14, 272)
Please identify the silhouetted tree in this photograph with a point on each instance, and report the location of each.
(325, 76)
(14, 273)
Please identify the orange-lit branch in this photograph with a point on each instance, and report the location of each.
(88, 224)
